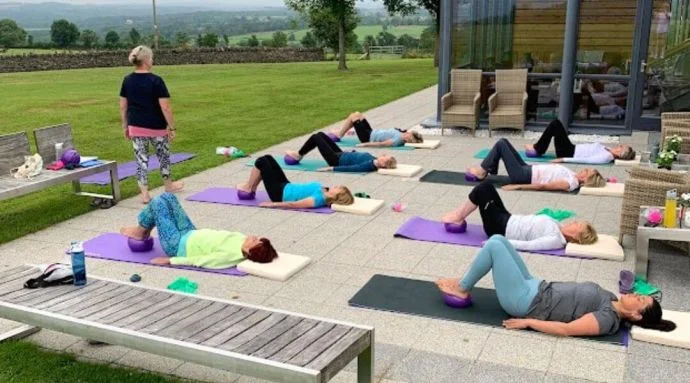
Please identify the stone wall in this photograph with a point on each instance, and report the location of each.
(102, 59)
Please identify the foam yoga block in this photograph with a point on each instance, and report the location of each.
(607, 247)
(290, 161)
(633, 162)
(680, 337)
(246, 196)
(362, 206)
(280, 269)
(427, 144)
(457, 302)
(610, 190)
(402, 171)
(140, 246)
(456, 228)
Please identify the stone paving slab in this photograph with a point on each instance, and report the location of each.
(347, 250)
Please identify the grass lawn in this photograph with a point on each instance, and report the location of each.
(250, 106)
(362, 31)
(27, 363)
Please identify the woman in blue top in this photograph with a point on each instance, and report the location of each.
(339, 161)
(376, 138)
(286, 194)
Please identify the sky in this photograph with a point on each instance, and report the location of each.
(232, 3)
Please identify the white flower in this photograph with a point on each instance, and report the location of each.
(685, 196)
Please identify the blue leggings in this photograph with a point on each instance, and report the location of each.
(515, 286)
(166, 213)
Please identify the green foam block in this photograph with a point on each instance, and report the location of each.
(183, 285)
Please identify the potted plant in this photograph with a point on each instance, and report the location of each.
(674, 143)
(665, 159)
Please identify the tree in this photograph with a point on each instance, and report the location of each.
(112, 40)
(89, 38)
(291, 37)
(209, 40)
(309, 41)
(280, 39)
(226, 39)
(427, 39)
(11, 35)
(369, 41)
(63, 33)
(253, 41)
(340, 14)
(408, 7)
(385, 38)
(182, 39)
(134, 36)
(30, 40)
(408, 41)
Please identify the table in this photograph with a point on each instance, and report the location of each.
(644, 234)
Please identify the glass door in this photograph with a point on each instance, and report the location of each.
(661, 62)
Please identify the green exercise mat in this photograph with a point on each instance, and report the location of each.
(305, 165)
(422, 298)
(458, 178)
(351, 142)
(547, 157)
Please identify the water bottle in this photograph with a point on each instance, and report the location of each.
(670, 214)
(78, 263)
(226, 151)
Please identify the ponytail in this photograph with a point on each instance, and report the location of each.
(651, 319)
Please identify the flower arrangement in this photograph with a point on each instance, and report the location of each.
(653, 217)
(666, 158)
(684, 200)
(674, 143)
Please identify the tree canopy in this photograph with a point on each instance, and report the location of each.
(63, 33)
(11, 35)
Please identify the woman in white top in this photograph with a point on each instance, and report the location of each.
(525, 232)
(566, 151)
(533, 177)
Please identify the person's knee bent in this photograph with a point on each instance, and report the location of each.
(499, 240)
(484, 189)
(262, 162)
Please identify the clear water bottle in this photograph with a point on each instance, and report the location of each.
(78, 263)
(226, 151)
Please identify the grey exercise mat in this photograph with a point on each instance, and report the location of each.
(458, 178)
(423, 298)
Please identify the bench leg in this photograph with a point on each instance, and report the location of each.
(18, 333)
(76, 187)
(641, 255)
(115, 184)
(365, 365)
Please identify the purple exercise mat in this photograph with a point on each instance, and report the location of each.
(129, 169)
(228, 196)
(421, 229)
(113, 247)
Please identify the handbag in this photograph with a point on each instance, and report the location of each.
(54, 274)
(33, 165)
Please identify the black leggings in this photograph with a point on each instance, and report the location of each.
(273, 176)
(494, 214)
(363, 130)
(556, 130)
(518, 171)
(328, 149)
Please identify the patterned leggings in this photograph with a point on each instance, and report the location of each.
(141, 152)
(166, 213)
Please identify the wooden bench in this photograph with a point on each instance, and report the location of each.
(237, 337)
(14, 147)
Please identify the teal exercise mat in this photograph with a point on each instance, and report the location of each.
(351, 142)
(422, 298)
(458, 178)
(305, 165)
(547, 157)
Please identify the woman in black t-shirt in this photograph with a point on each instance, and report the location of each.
(147, 119)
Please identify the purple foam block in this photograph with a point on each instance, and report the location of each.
(245, 196)
(532, 154)
(469, 177)
(456, 228)
(113, 246)
(140, 246)
(228, 196)
(333, 137)
(421, 229)
(457, 302)
(290, 161)
(129, 169)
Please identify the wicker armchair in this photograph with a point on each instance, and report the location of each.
(648, 187)
(508, 106)
(678, 124)
(461, 104)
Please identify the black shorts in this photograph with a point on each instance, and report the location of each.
(363, 130)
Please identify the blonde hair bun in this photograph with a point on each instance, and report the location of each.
(140, 54)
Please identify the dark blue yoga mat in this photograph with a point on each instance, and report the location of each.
(129, 169)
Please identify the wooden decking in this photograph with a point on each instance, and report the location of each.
(168, 323)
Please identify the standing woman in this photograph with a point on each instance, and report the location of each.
(147, 119)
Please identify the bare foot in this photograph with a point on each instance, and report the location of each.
(174, 187)
(477, 172)
(451, 217)
(295, 155)
(244, 187)
(135, 232)
(529, 148)
(145, 198)
(451, 286)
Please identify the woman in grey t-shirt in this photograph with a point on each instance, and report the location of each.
(558, 308)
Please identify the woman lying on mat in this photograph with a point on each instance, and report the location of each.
(557, 308)
(186, 245)
(378, 137)
(286, 194)
(525, 232)
(340, 161)
(533, 177)
(566, 151)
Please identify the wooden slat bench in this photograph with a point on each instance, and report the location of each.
(241, 338)
(13, 148)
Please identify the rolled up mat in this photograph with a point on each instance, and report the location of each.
(458, 178)
(113, 247)
(423, 298)
(228, 196)
(305, 164)
(129, 169)
(546, 157)
(420, 229)
(351, 142)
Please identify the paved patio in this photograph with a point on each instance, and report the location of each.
(347, 250)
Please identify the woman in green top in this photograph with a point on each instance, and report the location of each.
(186, 245)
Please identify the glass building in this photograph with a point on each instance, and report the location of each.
(601, 66)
